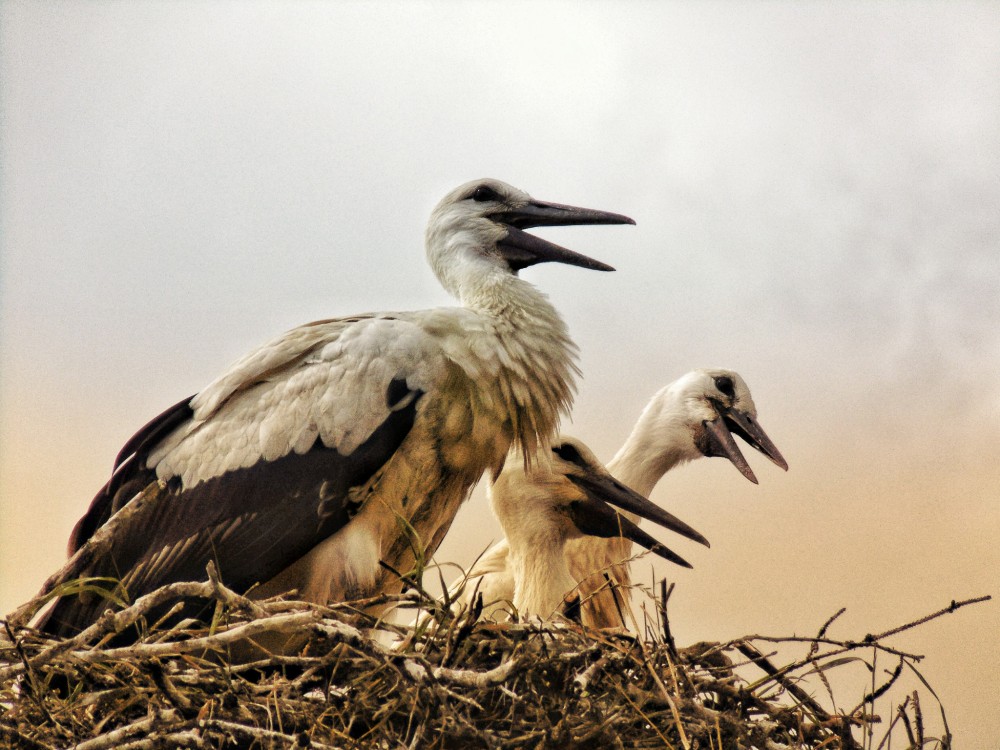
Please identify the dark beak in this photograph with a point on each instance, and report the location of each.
(594, 516)
(720, 442)
(521, 249)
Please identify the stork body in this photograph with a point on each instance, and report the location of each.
(347, 445)
(563, 495)
(693, 417)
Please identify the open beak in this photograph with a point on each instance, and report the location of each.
(719, 439)
(594, 516)
(521, 249)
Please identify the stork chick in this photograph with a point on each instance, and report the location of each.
(561, 496)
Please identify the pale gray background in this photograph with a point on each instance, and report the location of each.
(818, 204)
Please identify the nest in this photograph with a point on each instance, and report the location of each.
(452, 681)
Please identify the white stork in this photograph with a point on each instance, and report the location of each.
(558, 497)
(693, 417)
(340, 451)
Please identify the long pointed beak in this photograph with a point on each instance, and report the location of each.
(544, 214)
(720, 441)
(595, 517)
(604, 488)
(748, 428)
(521, 249)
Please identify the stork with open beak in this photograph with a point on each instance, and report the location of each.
(332, 457)
(693, 417)
(565, 495)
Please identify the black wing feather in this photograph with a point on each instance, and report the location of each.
(252, 522)
(130, 473)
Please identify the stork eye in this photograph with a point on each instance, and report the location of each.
(568, 452)
(725, 384)
(485, 193)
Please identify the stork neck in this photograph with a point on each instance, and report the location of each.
(659, 441)
(541, 573)
(516, 350)
(505, 296)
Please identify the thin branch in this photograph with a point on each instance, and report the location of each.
(878, 692)
(115, 738)
(756, 657)
(953, 607)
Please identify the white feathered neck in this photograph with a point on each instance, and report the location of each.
(536, 533)
(660, 440)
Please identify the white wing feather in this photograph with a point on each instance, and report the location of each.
(326, 381)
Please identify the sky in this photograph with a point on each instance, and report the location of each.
(816, 189)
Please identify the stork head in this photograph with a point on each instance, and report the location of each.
(478, 230)
(713, 405)
(569, 493)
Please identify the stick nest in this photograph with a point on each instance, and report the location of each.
(355, 681)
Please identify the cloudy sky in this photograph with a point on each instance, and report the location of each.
(816, 189)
